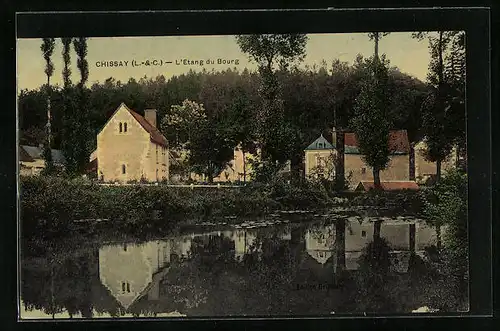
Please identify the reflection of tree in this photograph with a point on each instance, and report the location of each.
(57, 283)
(371, 293)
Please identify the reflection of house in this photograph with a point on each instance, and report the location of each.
(320, 242)
(129, 271)
(322, 149)
(31, 160)
(244, 241)
(130, 147)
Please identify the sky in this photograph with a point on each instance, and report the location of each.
(409, 55)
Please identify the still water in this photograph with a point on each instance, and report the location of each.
(285, 269)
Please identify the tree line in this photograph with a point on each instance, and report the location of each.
(279, 108)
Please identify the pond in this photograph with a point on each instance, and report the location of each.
(255, 269)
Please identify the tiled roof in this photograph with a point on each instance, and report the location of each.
(36, 153)
(320, 144)
(388, 185)
(155, 134)
(398, 142)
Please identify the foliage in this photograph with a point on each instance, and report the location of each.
(371, 123)
(52, 203)
(194, 130)
(444, 108)
(269, 50)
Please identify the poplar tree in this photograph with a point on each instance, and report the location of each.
(47, 49)
(270, 51)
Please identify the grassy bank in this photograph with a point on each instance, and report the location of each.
(53, 203)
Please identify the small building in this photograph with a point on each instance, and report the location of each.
(388, 185)
(131, 148)
(320, 158)
(31, 161)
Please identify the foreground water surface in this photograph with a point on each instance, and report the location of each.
(311, 268)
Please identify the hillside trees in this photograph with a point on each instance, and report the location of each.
(314, 99)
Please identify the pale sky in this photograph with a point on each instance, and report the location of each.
(409, 55)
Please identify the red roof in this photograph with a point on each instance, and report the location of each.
(388, 185)
(398, 141)
(156, 135)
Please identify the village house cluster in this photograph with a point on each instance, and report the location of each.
(130, 147)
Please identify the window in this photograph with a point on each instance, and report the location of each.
(363, 233)
(363, 170)
(125, 127)
(121, 127)
(125, 287)
(124, 247)
(320, 145)
(124, 169)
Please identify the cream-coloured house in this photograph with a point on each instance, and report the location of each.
(321, 154)
(31, 160)
(239, 168)
(131, 148)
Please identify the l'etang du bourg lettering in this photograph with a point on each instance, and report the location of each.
(162, 62)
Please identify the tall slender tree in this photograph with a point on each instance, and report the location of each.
(437, 124)
(66, 42)
(47, 48)
(376, 36)
(271, 51)
(83, 141)
(371, 123)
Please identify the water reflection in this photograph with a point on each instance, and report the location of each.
(290, 269)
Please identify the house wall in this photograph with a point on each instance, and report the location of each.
(397, 169)
(157, 162)
(31, 168)
(233, 172)
(424, 168)
(133, 148)
(311, 160)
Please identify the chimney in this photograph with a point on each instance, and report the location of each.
(150, 116)
(334, 137)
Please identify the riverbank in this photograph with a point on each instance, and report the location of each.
(52, 204)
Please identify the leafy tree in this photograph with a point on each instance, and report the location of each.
(209, 151)
(454, 73)
(446, 204)
(270, 51)
(79, 135)
(407, 95)
(370, 123)
(437, 122)
(47, 49)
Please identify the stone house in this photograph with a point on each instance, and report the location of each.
(131, 148)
